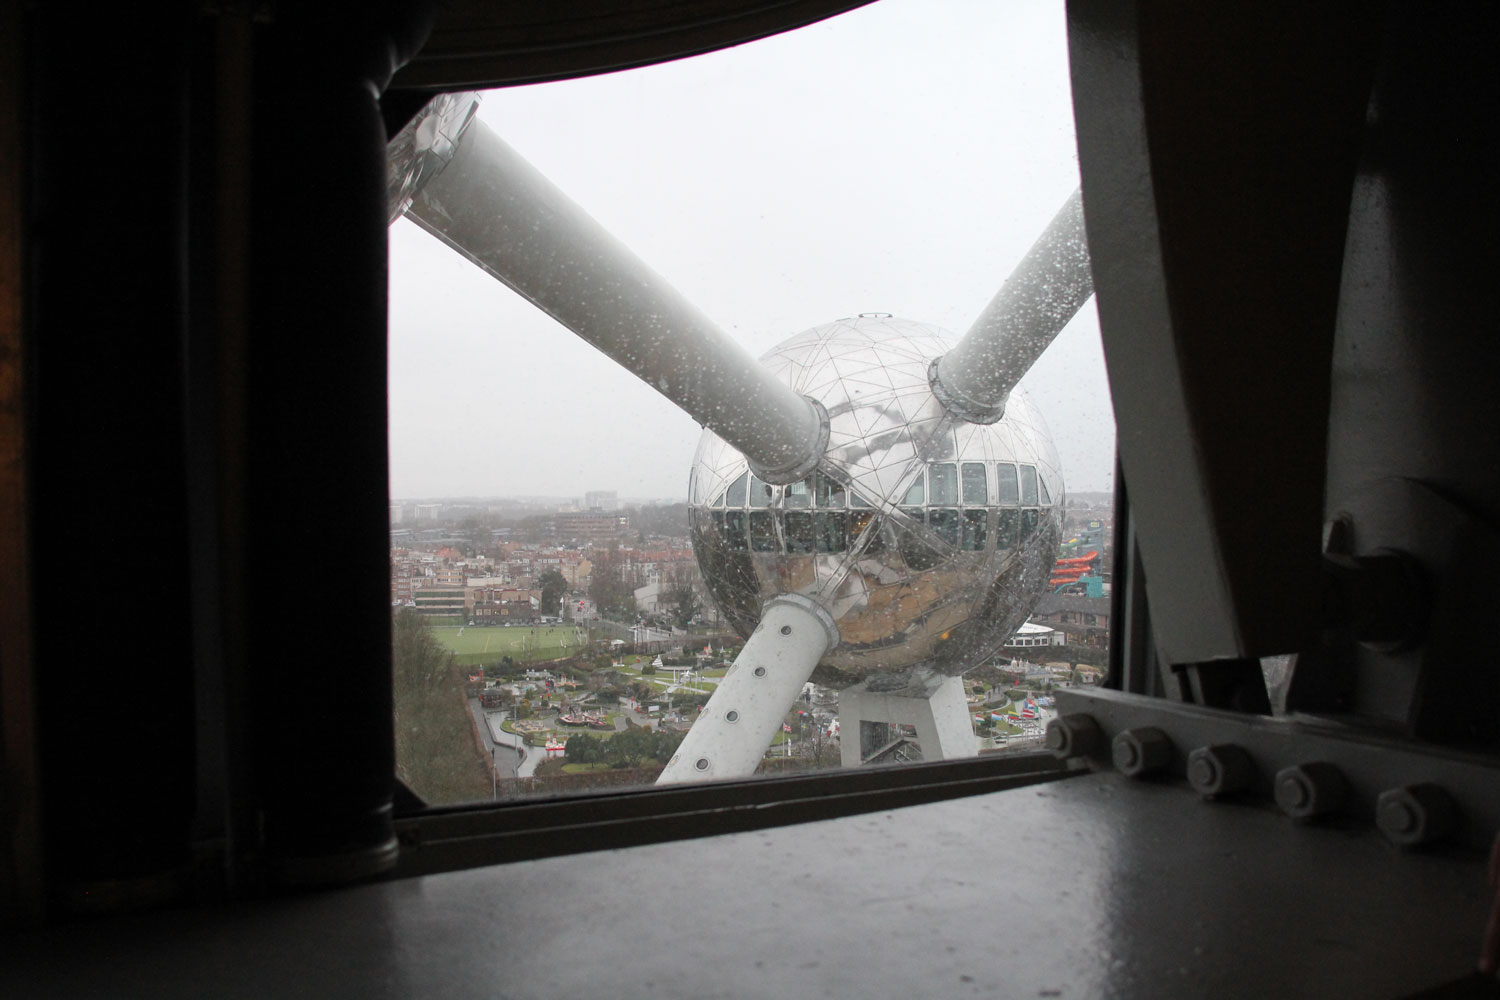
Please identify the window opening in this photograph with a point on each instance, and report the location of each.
(975, 484)
(799, 494)
(734, 530)
(919, 553)
(943, 483)
(801, 534)
(830, 491)
(521, 515)
(763, 531)
(736, 492)
(915, 493)
(944, 524)
(1006, 528)
(832, 531)
(760, 492)
(1028, 486)
(1006, 492)
(973, 535)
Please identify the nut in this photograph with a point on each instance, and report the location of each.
(1415, 814)
(1304, 791)
(1220, 768)
(1076, 735)
(1140, 751)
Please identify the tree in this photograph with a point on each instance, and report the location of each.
(477, 536)
(436, 754)
(608, 587)
(683, 594)
(584, 749)
(553, 587)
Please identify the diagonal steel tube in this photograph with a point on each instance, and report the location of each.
(498, 210)
(1048, 286)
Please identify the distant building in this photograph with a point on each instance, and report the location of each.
(489, 605)
(605, 500)
(1084, 621)
(591, 524)
(1034, 635)
(450, 576)
(397, 513)
(429, 511)
(440, 602)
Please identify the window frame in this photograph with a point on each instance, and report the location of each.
(451, 837)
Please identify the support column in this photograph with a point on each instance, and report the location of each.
(738, 723)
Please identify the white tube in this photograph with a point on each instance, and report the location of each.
(493, 207)
(1048, 286)
(740, 720)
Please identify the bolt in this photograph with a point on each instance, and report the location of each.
(1415, 814)
(1220, 768)
(1076, 735)
(1140, 751)
(1304, 791)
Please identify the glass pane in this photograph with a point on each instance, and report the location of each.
(943, 483)
(830, 492)
(944, 524)
(1006, 492)
(801, 536)
(763, 531)
(1008, 523)
(632, 569)
(734, 530)
(833, 531)
(915, 492)
(916, 546)
(976, 489)
(1029, 520)
(737, 491)
(760, 493)
(973, 538)
(799, 494)
(1028, 486)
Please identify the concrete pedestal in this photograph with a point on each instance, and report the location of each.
(935, 704)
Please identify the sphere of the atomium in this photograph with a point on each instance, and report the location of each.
(927, 539)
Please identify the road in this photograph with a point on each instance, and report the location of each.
(515, 759)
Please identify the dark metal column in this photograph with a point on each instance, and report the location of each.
(317, 476)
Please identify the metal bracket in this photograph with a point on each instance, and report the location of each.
(1415, 794)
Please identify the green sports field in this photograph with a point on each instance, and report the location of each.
(480, 644)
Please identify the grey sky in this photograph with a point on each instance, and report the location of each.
(900, 158)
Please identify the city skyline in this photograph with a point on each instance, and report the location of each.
(775, 197)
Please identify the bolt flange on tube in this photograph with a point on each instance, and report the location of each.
(1043, 293)
(740, 720)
